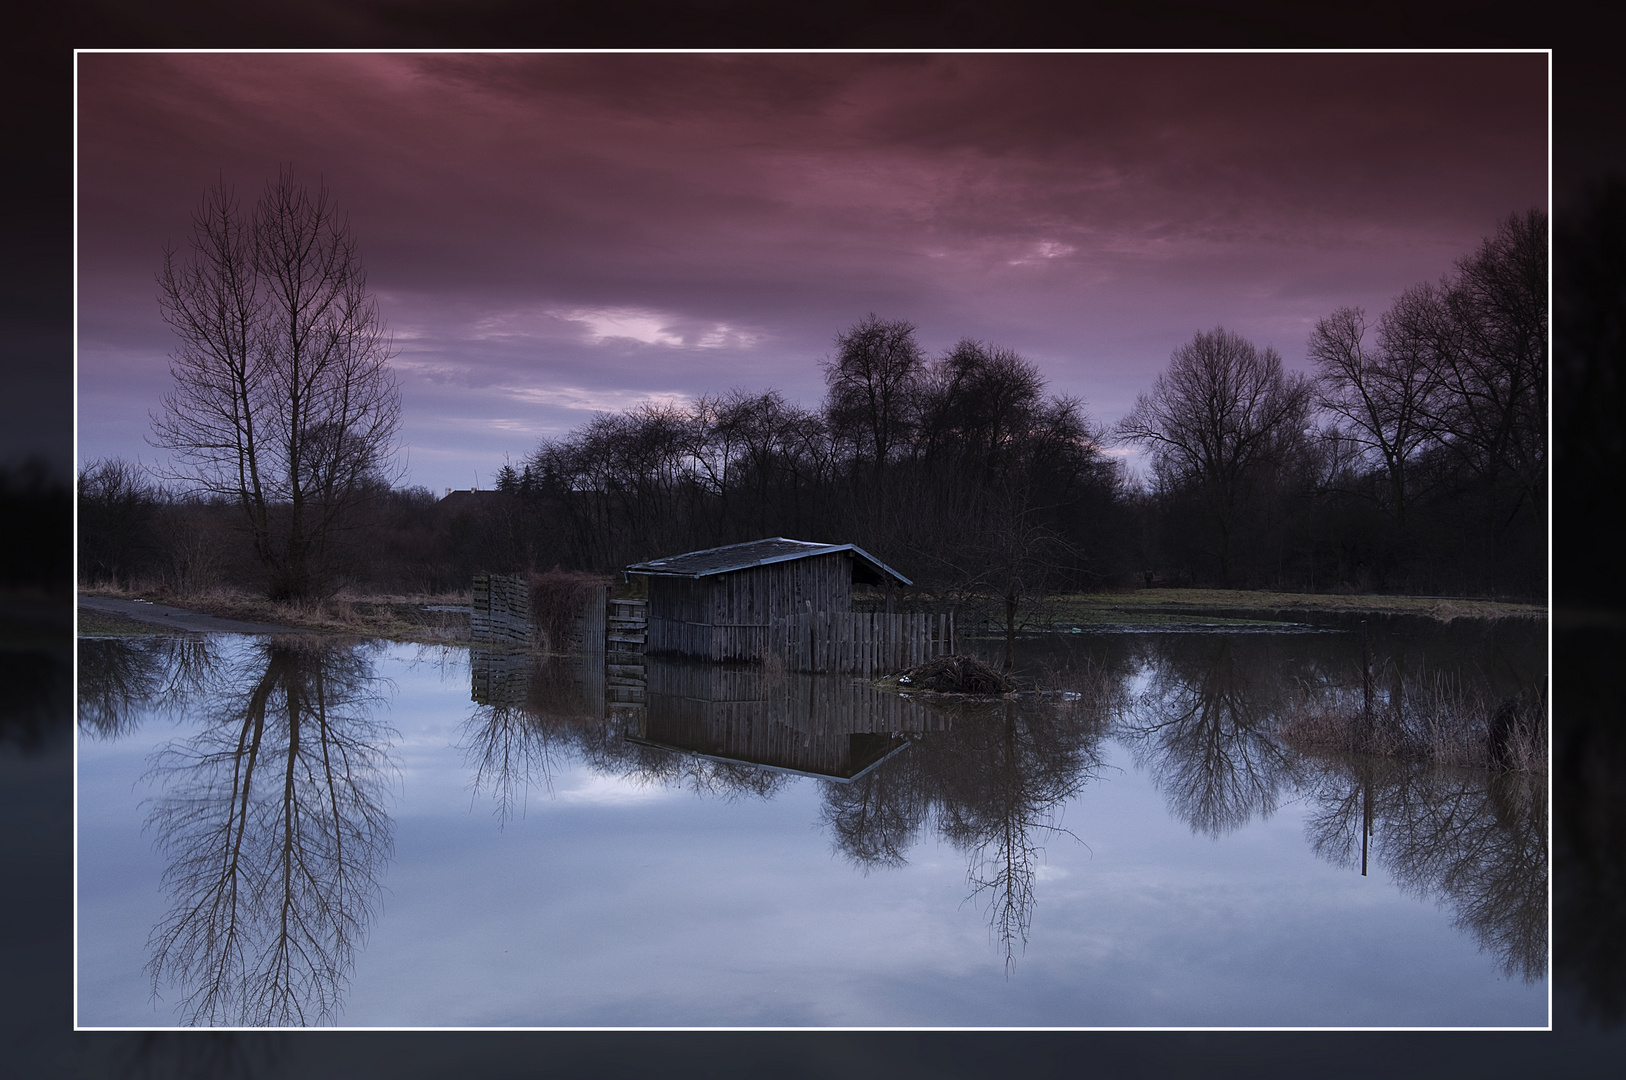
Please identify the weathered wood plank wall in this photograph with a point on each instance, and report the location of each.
(500, 610)
(832, 727)
(861, 642)
(729, 616)
(500, 613)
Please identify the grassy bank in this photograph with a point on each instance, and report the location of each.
(394, 617)
(408, 618)
(1442, 723)
(1144, 604)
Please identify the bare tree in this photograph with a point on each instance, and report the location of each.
(1222, 413)
(283, 401)
(273, 818)
(1382, 395)
(1494, 367)
(979, 399)
(873, 380)
(117, 506)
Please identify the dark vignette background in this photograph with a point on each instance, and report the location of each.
(36, 418)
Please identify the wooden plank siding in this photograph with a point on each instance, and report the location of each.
(500, 610)
(860, 642)
(729, 616)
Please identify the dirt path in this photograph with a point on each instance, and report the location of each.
(179, 619)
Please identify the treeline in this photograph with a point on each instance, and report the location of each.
(960, 470)
(1413, 459)
(135, 531)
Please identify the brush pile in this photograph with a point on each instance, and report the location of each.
(955, 675)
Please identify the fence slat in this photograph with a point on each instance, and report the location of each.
(858, 643)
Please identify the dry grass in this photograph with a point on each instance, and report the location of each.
(396, 617)
(1113, 607)
(1441, 723)
(557, 599)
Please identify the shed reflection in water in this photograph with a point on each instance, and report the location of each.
(271, 811)
(990, 777)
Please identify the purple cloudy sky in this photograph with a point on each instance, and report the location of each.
(550, 235)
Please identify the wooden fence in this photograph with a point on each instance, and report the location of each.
(500, 610)
(628, 624)
(500, 613)
(860, 642)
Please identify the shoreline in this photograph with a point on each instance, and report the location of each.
(443, 618)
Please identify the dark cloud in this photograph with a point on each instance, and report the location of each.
(550, 233)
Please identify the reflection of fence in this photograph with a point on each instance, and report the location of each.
(498, 677)
(745, 694)
(574, 686)
(860, 642)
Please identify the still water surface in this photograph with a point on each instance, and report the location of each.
(304, 831)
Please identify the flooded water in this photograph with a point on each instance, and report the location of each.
(305, 831)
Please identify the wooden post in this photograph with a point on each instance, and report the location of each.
(1366, 677)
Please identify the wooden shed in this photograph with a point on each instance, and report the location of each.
(719, 604)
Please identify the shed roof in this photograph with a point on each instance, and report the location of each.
(731, 557)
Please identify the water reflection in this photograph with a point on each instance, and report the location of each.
(272, 810)
(1473, 840)
(123, 679)
(273, 820)
(529, 712)
(1204, 727)
(990, 776)
(996, 782)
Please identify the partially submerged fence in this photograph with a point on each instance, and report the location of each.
(500, 610)
(860, 642)
(500, 613)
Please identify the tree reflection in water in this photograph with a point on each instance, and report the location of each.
(993, 780)
(121, 678)
(992, 777)
(874, 818)
(526, 714)
(1001, 777)
(1204, 728)
(274, 823)
(1472, 839)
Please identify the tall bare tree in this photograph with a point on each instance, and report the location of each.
(1495, 368)
(1222, 414)
(274, 821)
(1382, 396)
(283, 401)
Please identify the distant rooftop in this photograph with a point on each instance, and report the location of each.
(722, 560)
